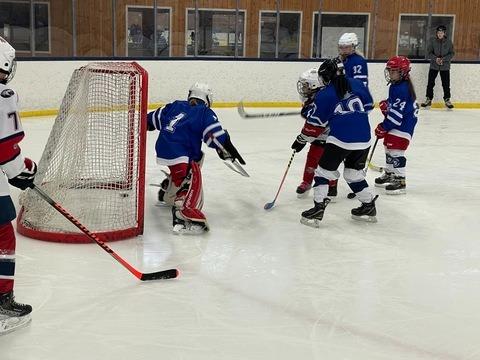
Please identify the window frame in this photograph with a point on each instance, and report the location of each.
(29, 31)
(153, 9)
(281, 12)
(425, 15)
(367, 38)
(212, 10)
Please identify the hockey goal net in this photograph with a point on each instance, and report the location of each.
(94, 161)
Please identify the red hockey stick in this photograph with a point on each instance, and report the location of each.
(165, 274)
(270, 205)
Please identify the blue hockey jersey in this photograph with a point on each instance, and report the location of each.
(402, 111)
(347, 117)
(182, 128)
(356, 68)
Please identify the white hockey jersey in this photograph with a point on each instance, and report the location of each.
(11, 133)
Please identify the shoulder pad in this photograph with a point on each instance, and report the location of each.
(7, 93)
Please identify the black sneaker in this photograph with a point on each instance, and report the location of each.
(384, 180)
(10, 308)
(313, 216)
(427, 103)
(366, 212)
(397, 187)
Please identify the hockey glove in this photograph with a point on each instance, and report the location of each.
(299, 143)
(229, 152)
(383, 107)
(25, 179)
(380, 132)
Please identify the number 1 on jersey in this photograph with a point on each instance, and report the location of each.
(171, 125)
(14, 116)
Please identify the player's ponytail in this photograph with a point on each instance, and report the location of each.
(411, 88)
(342, 85)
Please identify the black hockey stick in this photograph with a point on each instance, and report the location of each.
(270, 205)
(352, 195)
(244, 114)
(165, 274)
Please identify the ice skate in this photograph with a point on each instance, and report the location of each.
(385, 179)
(183, 226)
(313, 216)
(397, 187)
(303, 189)
(13, 315)
(427, 103)
(161, 193)
(366, 212)
(332, 191)
(448, 104)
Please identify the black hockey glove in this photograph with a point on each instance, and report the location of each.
(25, 179)
(299, 143)
(229, 152)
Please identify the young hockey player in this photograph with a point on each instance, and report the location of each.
(343, 106)
(19, 172)
(400, 111)
(307, 86)
(355, 64)
(183, 125)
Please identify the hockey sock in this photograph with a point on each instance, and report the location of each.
(7, 257)
(313, 157)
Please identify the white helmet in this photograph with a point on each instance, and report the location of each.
(201, 91)
(308, 83)
(8, 63)
(348, 39)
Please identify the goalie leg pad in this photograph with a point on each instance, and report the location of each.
(194, 195)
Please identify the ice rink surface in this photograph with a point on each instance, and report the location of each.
(262, 286)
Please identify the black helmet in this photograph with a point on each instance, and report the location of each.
(442, 28)
(329, 70)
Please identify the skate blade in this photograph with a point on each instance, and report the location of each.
(190, 230)
(381, 185)
(365, 218)
(314, 223)
(333, 199)
(396, 192)
(162, 204)
(14, 323)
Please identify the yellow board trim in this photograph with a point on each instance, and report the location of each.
(259, 104)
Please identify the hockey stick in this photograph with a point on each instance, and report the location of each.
(234, 165)
(270, 205)
(375, 167)
(352, 195)
(165, 274)
(244, 114)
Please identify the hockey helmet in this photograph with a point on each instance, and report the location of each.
(201, 91)
(330, 69)
(399, 63)
(348, 39)
(308, 83)
(8, 64)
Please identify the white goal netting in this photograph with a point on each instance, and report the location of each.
(94, 161)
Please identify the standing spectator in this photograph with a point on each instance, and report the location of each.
(440, 52)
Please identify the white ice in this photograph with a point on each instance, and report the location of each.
(262, 286)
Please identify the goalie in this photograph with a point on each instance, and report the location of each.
(183, 125)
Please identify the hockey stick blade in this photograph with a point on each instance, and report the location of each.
(269, 205)
(235, 166)
(160, 275)
(244, 114)
(375, 167)
(165, 274)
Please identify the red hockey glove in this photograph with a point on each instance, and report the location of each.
(383, 107)
(380, 132)
(25, 178)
